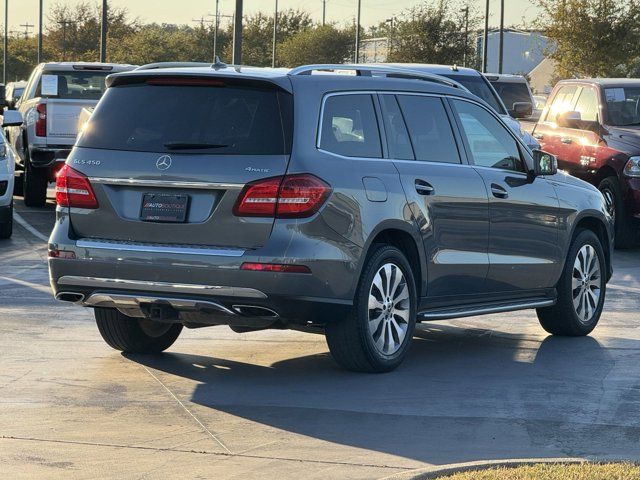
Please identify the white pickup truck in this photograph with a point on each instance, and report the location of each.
(55, 95)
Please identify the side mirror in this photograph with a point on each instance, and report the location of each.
(11, 118)
(521, 110)
(569, 120)
(544, 163)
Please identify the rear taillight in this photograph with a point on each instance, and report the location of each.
(291, 196)
(41, 120)
(74, 190)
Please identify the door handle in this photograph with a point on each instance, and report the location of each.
(538, 136)
(498, 191)
(424, 188)
(566, 140)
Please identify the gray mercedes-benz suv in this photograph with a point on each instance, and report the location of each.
(349, 205)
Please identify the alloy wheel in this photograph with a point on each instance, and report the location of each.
(389, 309)
(586, 283)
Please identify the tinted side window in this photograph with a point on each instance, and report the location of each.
(587, 105)
(429, 129)
(562, 102)
(349, 127)
(490, 144)
(397, 134)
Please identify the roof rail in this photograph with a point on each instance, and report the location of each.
(155, 66)
(365, 70)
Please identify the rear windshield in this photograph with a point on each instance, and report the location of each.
(212, 118)
(511, 92)
(623, 105)
(78, 85)
(480, 88)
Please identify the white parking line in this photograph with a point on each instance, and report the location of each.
(28, 227)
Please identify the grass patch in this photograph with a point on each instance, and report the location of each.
(555, 471)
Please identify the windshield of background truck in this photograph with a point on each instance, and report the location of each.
(512, 92)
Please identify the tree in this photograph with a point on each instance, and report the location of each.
(431, 33)
(326, 44)
(592, 38)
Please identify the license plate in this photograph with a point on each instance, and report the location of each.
(161, 207)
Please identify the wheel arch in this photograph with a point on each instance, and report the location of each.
(404, 237)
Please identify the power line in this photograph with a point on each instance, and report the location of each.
(27, 26)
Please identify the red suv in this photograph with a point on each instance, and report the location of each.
(593, 127)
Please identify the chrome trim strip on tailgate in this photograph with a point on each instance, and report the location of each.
(157, 248)
(165, 183)
(164, 287)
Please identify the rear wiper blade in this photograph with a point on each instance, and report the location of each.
(192, 146)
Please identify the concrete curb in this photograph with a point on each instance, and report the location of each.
(443, 470)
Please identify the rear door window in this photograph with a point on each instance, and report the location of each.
(429, 129)
(198, 116)
(398, 139)
(350, 126)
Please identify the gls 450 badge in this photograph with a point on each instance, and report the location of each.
(79, 161)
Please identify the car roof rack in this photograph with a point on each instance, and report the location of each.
(364, 70)
(157, 65)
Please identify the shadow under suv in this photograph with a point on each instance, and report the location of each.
(349, 205)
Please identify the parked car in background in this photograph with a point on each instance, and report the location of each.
(349, 205)
(515, 93)
(477, 84)
(13, 92)
(593, 127)
(10, 118)
(51, 104)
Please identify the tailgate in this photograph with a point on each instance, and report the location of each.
(63, 115)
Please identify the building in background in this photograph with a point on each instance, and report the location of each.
(523, 50)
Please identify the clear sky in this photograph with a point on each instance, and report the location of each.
(184, 11)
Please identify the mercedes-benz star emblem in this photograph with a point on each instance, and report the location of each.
(164, 162)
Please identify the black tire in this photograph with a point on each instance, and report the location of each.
(610, 188)
(135, 335)
(6, 228)
(18, 184)
(34, 185)
(562, 318)
(350, 340)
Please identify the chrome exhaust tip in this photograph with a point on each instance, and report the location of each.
(254, 311)
(70, 297)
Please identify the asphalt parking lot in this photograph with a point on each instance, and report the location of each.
(274, 404)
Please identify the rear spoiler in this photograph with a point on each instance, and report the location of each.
(103, 68)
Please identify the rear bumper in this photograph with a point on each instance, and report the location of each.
(139, 278)
(42, 157)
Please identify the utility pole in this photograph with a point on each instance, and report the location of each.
(485, 47)
(465, 10)
(6, 41)
(324, 12)
(103, 32)
(236, 57)
(275, 34)
(40, 32)
(501, 54)
(216, 27)
(391, 22)
(64, 24)
(27, 26)
(357, 52)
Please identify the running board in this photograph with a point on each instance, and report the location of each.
(473, 310)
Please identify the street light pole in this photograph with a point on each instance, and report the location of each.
(275, 34)
(103, 33)
(40, 32)
(236, 58)
(501, 53)
(485, 47)
(215, 32)
(357, 52)
(466, 35)
(324, 11)
(6, 41)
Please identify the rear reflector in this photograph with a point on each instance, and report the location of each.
(74, 190)
(291, 196)
(275, 267)
(62, 254)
